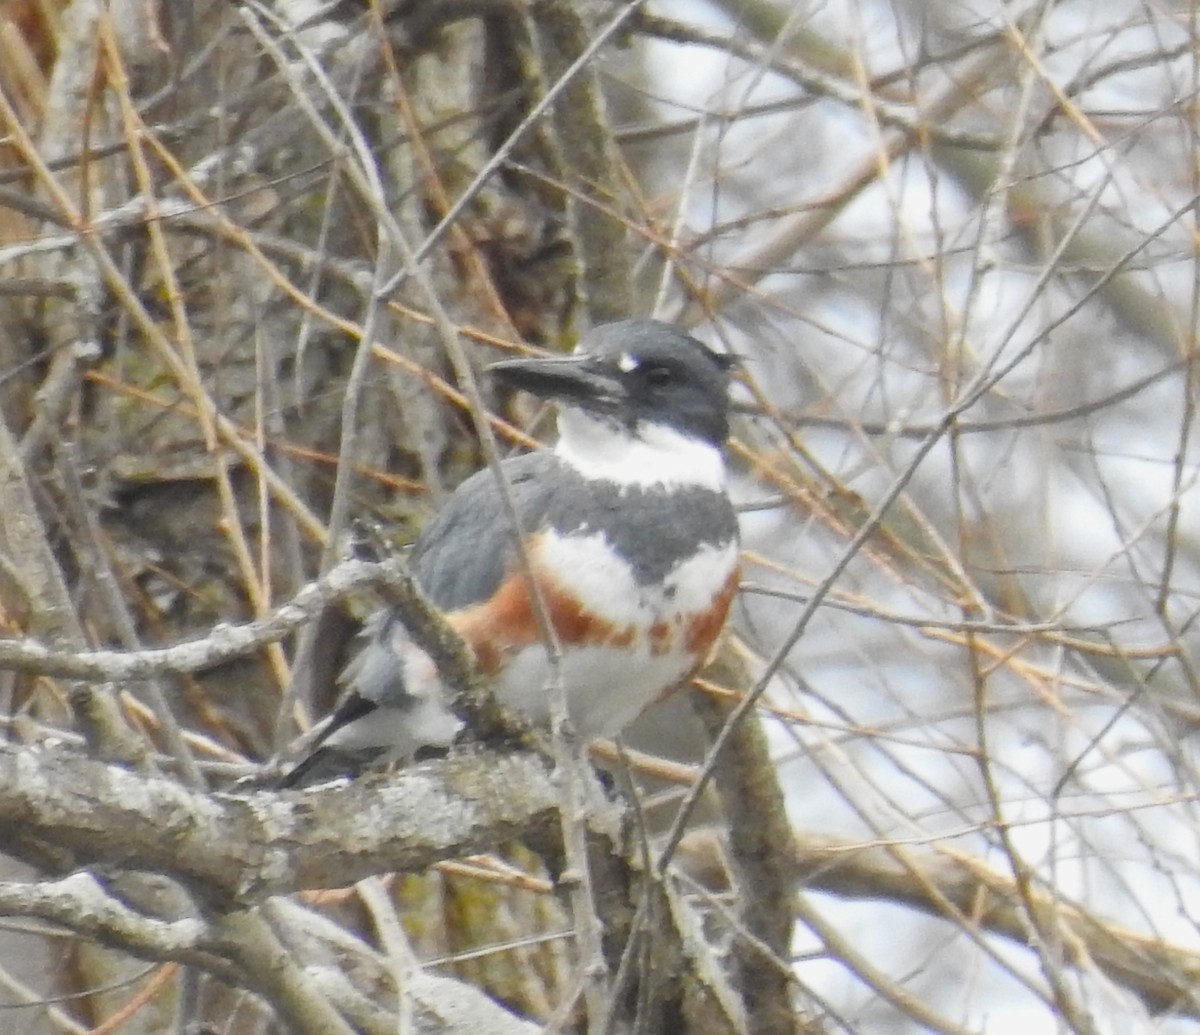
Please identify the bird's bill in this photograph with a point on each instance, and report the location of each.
(577, 380)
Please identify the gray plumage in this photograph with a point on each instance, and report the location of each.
(623, 376)
(468, 549)
(656, 531)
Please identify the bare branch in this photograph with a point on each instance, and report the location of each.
(240, 849)
(78, 903)
(1163, 975)
(226, 642)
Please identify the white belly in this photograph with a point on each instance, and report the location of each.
(608, 686)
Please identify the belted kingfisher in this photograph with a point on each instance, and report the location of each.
(630, 536)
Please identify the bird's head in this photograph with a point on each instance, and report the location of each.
(635, 375)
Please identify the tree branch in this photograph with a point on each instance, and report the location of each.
(240, 849)
(80, 904)
(227, 642)
(1162, 975)
(764, 871)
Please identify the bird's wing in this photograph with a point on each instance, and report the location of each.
(464, 553)
(459, 560)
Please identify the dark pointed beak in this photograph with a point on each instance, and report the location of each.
(574, 380)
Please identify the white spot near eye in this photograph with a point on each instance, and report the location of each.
(627, 363)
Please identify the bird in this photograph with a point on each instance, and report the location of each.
(627, 529)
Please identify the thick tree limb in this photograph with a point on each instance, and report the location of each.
(240, 849)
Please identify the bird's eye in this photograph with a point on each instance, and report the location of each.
(657, 376)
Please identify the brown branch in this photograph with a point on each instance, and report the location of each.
(586, 155)
(765, 873)
(1162, 975)
(792, 234)
(271, 970)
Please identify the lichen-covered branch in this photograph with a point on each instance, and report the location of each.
(230, 849)
(78, 903)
